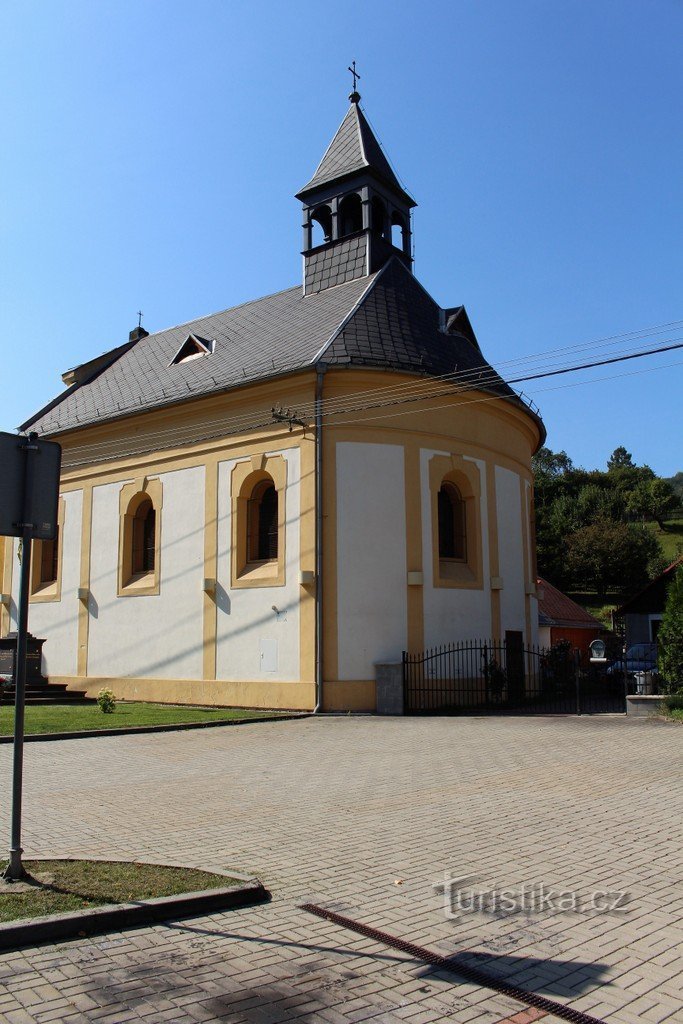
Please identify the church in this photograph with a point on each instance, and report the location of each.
(259, 507)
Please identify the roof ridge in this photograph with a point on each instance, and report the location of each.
(352, 312)
(330, 144)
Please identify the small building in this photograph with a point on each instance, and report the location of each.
(642, 614)
(560, 618)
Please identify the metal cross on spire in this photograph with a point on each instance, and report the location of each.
(140, 316)
(355, 96)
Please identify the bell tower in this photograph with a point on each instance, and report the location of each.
(356, 215)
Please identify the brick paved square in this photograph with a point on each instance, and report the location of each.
(364, 816)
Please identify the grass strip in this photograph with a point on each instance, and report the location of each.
(47, 718)
(72, 885)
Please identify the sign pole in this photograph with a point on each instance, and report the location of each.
(15, 868)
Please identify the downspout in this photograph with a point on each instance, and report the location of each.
(320, 374)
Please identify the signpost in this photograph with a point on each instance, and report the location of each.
(29, 500)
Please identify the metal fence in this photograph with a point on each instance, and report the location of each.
(508, 676)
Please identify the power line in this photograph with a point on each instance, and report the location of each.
(479, 376)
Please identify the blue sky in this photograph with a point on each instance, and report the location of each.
(152, 150)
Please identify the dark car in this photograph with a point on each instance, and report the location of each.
(639, 658)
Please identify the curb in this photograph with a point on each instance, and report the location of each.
(95, 920)
(135, 730)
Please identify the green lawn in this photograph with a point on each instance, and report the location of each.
(671, 539)
(60, 886)
(44, 718)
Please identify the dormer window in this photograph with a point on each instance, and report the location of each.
(193, 347)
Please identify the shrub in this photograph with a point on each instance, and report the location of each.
(106, 701)
(670, 636)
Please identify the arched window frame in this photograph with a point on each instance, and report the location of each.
(452, 523)
(248, 479)
(135, 578)
(43, 588)
(462, 476)
(322, 215)
(350, 209)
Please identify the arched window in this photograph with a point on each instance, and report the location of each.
(321, 224)
(144, 538)
(46, 563)
(258, 487)
(49, 560)
(398, 232)
(379, 217)
(262, 527)
(350, 215)
(139, 538)
(452, 523)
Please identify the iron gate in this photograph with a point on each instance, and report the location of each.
(508, 676)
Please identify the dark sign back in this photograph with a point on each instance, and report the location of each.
(29, 485)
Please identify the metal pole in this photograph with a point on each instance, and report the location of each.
(15, 869)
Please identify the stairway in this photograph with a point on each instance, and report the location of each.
(45, 693)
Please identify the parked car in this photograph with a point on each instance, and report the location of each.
(639, 658)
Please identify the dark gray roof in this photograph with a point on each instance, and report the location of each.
(385, 320)
(354, 148)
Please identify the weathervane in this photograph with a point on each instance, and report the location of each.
(355, 96)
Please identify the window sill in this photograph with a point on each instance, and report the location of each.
(454, 573)
(142, 584)
(260, 574)
(46, 592)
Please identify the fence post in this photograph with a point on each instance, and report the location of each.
(577, 679)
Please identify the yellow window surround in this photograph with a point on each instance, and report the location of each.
(131, 497)
(43, 589)
(467, 572)
(246, 476)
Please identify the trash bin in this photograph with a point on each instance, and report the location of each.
(644, 685)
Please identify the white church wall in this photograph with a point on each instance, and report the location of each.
(453, 613)
(254, 640)
(371, 557)
(57, 621)
(510, 550)
(156, 636)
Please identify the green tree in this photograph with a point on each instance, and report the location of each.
(662, 501)
(619, 459)
(670, 636)
(610, 556)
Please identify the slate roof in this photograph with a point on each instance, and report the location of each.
(354, 148)
(385, 320)
(556, 609)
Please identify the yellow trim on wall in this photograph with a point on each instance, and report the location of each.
(415, 594)
(524, 513)
(131, 497)
(244, 478)
(44, 592)
(84, 582)
(494, 554)
(307, 592)
(6, 566)
(209, 606)
(250, 693)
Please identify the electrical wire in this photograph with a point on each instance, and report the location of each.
(203, 434)
(474, 379)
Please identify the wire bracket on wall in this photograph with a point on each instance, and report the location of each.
(287, 416)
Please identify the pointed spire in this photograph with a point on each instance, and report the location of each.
(354, 148)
